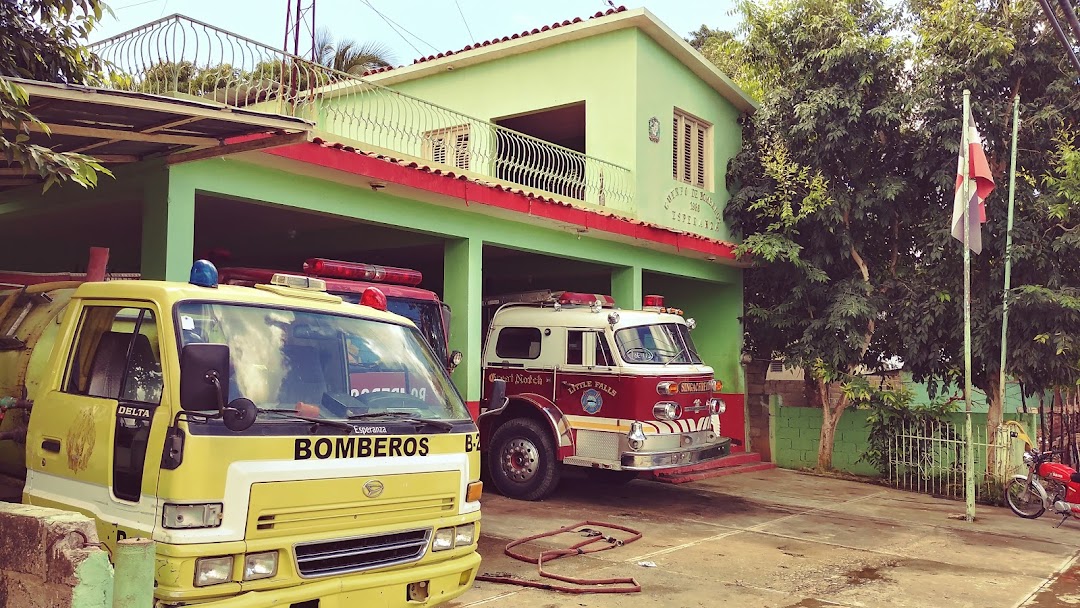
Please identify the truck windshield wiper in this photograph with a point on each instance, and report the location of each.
(678, 355)
(293, 414)
(405, 417)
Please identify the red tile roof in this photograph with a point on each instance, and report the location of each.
(599, 14)
(522, 200)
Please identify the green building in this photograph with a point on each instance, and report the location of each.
(586, 155)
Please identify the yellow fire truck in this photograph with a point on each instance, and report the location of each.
(281, 446)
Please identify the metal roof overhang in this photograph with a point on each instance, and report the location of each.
(118, 127)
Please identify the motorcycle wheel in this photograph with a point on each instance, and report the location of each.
(1022, 500)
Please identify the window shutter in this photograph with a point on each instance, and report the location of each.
(690, 154)
(675, 147)
(687, 131)
(699, 177)
(461, 151)
(438, 149)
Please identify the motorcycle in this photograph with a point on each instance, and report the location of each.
(1048, 485)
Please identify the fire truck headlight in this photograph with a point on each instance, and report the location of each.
(465, 535)
(260, 565)
(666, 410)
(636, 437)
(443, 540)
(213, 570)
(207, 515)
(717, 406)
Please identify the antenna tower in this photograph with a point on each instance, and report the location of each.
(300, 29)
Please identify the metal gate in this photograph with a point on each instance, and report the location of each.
(928, 457)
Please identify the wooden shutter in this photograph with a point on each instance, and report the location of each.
(690, 154)
(699, 176)
(438, 149)
(461, 151)
(675, 147)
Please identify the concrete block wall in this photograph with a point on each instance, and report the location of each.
(796, 432)
(51, 559)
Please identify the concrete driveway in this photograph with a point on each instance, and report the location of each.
(784, 539)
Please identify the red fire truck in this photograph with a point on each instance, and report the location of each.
(354, 281)
(618, 391)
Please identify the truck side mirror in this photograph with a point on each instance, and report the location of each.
(204, 377)
(498, 395)
(454, 360)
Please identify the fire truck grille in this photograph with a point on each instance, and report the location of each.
(325, 506)
(598, 445)
(363, 553)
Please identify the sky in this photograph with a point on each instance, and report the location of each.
(431, 26)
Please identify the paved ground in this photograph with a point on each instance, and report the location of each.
(784, 539)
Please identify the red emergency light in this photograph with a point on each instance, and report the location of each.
(586, 299)
(373, 297)
(355, 271)
(654, 301)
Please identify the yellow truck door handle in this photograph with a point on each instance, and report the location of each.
(51, 445)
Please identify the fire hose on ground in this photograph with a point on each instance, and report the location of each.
(589, 545)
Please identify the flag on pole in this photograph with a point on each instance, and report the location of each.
(975, 185)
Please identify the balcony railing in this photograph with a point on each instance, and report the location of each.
(179, 56)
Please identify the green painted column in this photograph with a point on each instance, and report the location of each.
(133, 582)
(462, 290)
(626, 287)
(168, 230)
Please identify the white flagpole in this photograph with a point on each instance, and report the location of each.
(969, 452)
(1008, 254)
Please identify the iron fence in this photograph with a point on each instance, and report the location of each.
(179, 56)
(928, 457)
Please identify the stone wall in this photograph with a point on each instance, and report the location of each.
(51, 559)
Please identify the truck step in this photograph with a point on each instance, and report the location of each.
(676, 478)
(735, 463)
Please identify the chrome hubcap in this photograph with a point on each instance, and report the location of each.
(520, 459)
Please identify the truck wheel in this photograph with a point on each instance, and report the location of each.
(522, 460)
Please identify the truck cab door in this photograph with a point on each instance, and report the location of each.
(585, 373)
(88, 444)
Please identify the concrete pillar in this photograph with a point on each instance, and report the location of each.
(168, 230)
(626, 287)
(462, 290)
(133, 582)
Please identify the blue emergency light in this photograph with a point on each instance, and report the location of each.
(203, 274)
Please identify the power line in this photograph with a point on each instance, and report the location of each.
(465, 21)
(390, 22)
(120, 8)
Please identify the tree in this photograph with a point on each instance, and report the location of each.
(820, 188)
(997, 50)
(42, 40)
(349, 56)
(844, 189)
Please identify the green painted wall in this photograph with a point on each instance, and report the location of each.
(795, 433)
(716, 308)
(663, 84)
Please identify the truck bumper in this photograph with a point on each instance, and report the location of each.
(445, 581)
(654, 461)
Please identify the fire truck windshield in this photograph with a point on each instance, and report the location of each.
(661, 343)
(322, 365)
(427, 316)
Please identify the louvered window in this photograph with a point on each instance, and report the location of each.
(448, 146)
(690, 158)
